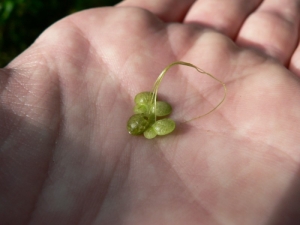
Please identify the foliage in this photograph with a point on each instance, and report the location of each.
(21, 21)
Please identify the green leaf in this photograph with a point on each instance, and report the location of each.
(143, 98)
(150, 133)
(141, 108)
(164, 126)
(163, 108)
(137, 124)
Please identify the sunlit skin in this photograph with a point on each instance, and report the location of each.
(66, 156)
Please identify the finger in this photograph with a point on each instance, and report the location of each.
(273, 29)
(295, 62)
(167, 10)
(226, 16)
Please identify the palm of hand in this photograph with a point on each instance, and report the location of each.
(76, 86)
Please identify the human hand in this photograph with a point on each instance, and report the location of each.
(67, 158)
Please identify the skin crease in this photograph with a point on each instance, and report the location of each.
(66, 156)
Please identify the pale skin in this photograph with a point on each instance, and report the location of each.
(66, 156)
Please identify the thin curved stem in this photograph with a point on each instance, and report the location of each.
(162, 74)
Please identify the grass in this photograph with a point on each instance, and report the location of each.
(21, 21)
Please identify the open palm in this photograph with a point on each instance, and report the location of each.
(67, 158)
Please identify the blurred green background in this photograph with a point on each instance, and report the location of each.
(21, 21)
